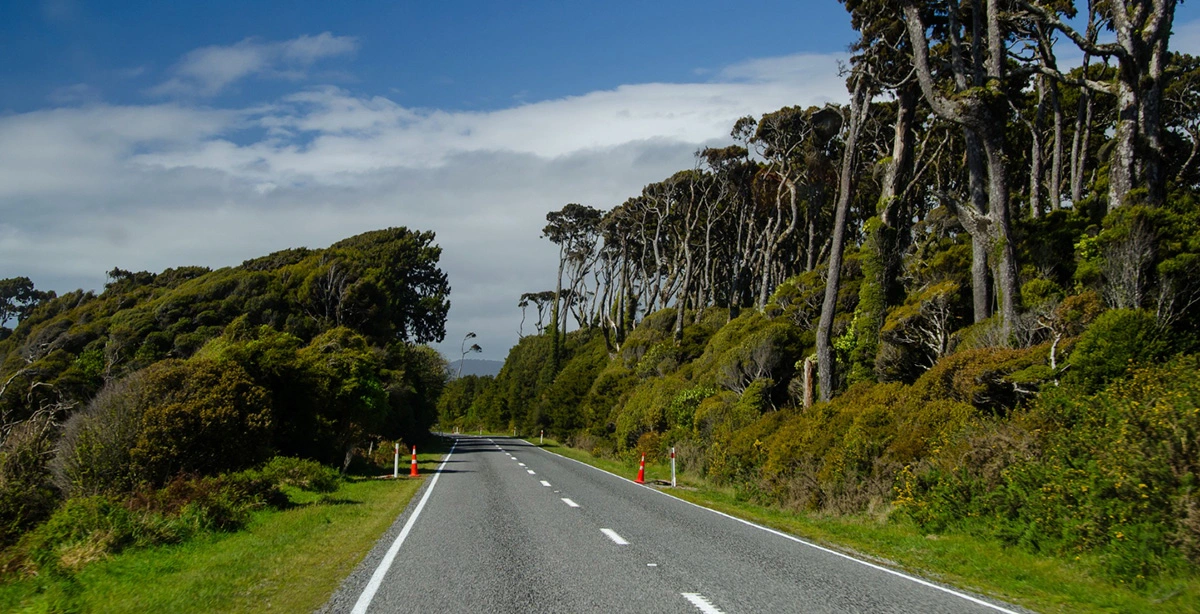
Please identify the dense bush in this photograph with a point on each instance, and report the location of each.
(1115, 473)
(302, 473)
(561, 410)
(26, 495)
(93, 455)
(87, 529)
(84, 530)
(1117, 340)
(201, 417)
(455, 402)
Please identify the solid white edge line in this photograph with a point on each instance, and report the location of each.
(702, 603)
(617, 539)
(364, 600)
(800, 541)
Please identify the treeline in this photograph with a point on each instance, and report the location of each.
(969, 263)
(164, 381)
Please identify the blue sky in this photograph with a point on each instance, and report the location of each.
(147, 135)
(448, 55)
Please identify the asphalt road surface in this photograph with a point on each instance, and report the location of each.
(503, 526)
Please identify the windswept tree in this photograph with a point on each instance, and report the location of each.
(965, 83)
(540, 300)
(1141, 29)
(18, 297)
(575, 229)
(859, 98)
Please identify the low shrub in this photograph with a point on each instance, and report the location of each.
(26, 495)
(302, 473)
(1117, 340)
(1114, 473)
(83, 530)
(92, 456)
(221, 502)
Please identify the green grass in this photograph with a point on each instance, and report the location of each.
(988, 567)
(284, 560)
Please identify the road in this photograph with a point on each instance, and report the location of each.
(504, 526)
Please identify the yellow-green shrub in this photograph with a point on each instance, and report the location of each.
(201, 416)
(1114, 473)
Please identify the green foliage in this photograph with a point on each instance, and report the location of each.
(527, 369)
(302, 473)
(561, 401)
(609, 388)
(26, 495)
(994, 380)
(844, 456)
(1112, 473)
(18, 298)
(653, 331)
(1116, 341)
(348, 395)
(752, 347)
(645, 411)
(200, 416)
(384, 285)
(93, 455)
(87, 529)
(660, 359)
(81, 531)
(682, 410)
(798, 299)
(454, 404)
(174, 378)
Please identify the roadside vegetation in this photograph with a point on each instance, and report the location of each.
(286, 551)
(174, 410)
(955, 323)
(965, 305)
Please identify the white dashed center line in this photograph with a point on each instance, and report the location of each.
(570, 502)
(702, 603)
(617, 539)
(545, 483)
(530, 472)
(521, 464)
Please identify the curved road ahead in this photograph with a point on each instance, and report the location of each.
(504, 526)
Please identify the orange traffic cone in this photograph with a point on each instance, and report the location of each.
(413, 473)
(641, 479)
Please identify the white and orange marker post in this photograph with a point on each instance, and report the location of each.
(414, 473)
(541, 435)
(396, 462)
(672, 466)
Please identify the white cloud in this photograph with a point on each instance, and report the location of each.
(208, 70)
(149, 187)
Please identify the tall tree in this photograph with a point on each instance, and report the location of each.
(1142, 29)
(975, 35)
(858, 108)
(18, 297)
(574, 229)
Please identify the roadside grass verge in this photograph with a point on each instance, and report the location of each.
(983, 566)
(287, 560)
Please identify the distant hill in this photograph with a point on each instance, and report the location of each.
(476, 367)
